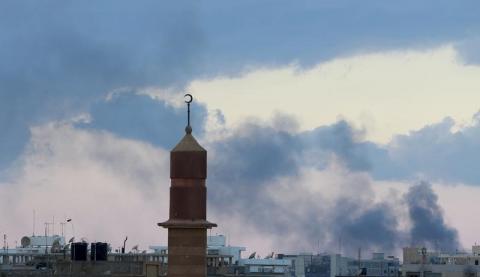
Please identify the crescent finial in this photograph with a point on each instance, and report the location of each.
(188, 100)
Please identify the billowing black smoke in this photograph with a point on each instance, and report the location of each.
(428, 226)
(252, 164)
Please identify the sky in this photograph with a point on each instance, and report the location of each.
(329, 125)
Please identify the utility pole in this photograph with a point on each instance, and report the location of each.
(62, 226)
(46, 238)
(33, 223)
(359, 259)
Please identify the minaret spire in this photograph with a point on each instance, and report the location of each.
(188, 100)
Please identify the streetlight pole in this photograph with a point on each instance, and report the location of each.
(73, 228)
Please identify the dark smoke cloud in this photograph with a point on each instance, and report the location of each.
(272, 151)
(251, 164)
(429, 228)
(339, 138)
(280, 153)
(375, 228)
(254, 154)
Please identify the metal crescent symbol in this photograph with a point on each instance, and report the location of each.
(188, 98)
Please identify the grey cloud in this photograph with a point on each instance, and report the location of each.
(141, 117)
(433, 152)
(320, 30)
(59, 58)
(253, 147)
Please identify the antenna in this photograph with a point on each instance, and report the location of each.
(33, 223)
(424, 255)
(340, 245)
(46, 238)
(62, 226)
(359, 259)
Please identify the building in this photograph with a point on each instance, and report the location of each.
(266, 267)
(419, 262)
(335, 265)
(378, 265)
(226, 260)
(229, 255)
(30, 249)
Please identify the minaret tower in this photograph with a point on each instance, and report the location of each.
(187, 225)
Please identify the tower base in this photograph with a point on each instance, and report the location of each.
(187, 252)
(187, 247)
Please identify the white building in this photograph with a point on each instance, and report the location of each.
(272, 266)
(216, 245)
(38, 245)
(334, 265)
(419, 262)
(218, 252)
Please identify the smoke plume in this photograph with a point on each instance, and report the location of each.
(428, 226)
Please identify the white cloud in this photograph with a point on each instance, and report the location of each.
(110, 187)
(388, 93)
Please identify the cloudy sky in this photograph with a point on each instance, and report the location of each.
(330, 125)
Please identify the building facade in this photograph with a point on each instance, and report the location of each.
(419, 262)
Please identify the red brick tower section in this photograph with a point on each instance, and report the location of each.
(187, 225)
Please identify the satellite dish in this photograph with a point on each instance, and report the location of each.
(26, 241)
(252, 256)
